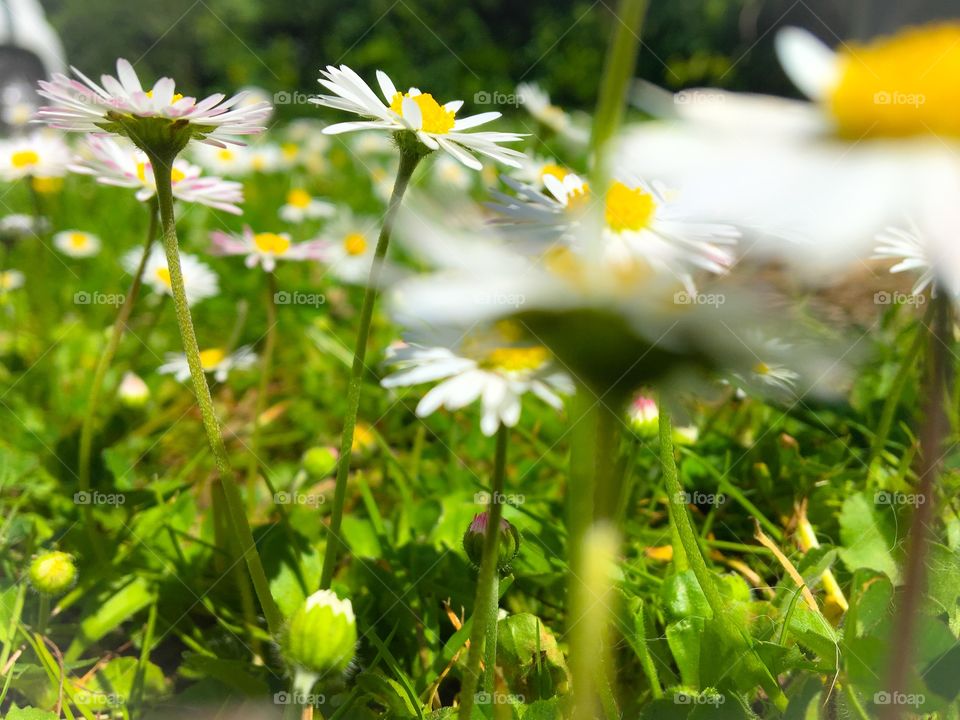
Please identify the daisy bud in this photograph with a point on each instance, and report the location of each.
(320, 461)
(685, 435)
(644, 416)
(133, 391)
(52, 573)
(322, 635)
(507, 549)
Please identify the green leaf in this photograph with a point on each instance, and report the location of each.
(115, 608)
(868, 532)
(682, 597)
(533, 665)
(30, 713)
(683, 637)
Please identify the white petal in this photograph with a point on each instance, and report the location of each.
(386, 86)
(412, 114)
(808, 62)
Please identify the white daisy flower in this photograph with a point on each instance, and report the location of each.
(447, 172)
(200, 282)
(301, 206)
(535, 168)
(263, 248)
(88, 107)
(18, 225)
(41, 154)
(372, 144)
(214, 360)
(488, 365)
(911, 252)
(265, 158)
(435, 125)
(116, 161)
(133, 391)
(18, 114)
(77, 243)
(536, 101)
(347, 245)
(232, 161)
(10, 280)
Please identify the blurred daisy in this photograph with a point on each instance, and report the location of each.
(435, 125)
(488, 365)
(263, 248)
(18, 114)
(233, 161)
(117, 162)
(265, 158)
(910, 252)
(347, 245)
(535, 168)
(88, 107)
(367, 144)
(536, 101)
(644, 415)
(200, 282)
(301, 205)
(769, 373)
(133, 391)
(450, 173)
(10, 280)
(382, 182)
(215, 360)
(39, 155)
(18, 225)
(77, 243)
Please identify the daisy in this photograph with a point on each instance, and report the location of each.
(301, 206)
(535, 168)
(488, 365)
(536, 101)
(133, 391)
(644, 415)
(263, 248)
(450, 173)
(233, 161)
(213, 360)
(39, 155)
(906, 247)
(435, 126)
(265, 158)
(85, 106)
(199, 280)
(347, 247)
(118, 162)
(10, 280)
(18, 225)
(77, 243)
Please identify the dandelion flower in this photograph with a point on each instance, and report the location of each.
(214, 360)
(77, 243)
(435, 126)
(262, 248)
(200, 282)
(301, 205)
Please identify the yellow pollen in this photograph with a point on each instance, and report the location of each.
(355, 244)
(24, 158)
(901, 85)
(435, 118)
(761, 368)
(557, 171)
(225, 154)
(628, 208)
(299, 198)
(272, 243)
(209, 359)
(175, 98)
(517, 359)
(576, 197)
(78, 240)
(46, 185)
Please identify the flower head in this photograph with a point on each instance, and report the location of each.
(52, 573)
(536, 101)
(10, 280)
(507, 549)
(213, 360)
(434, 125)
(200, 282)
(347, 247)
(301, 205)
(133, 391)
(41, 155)
(644, 415)
(263, 248)
(77, 243)
(321, 636)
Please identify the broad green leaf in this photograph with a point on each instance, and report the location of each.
(868, 533)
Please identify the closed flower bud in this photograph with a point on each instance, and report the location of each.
(52, 573)
(133, 391)
(321, 637)
(319, 461)
(507, 548)
(644, 416)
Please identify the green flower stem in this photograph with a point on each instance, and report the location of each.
(609, 472)
(235, 507)
(43, 613)
(109, 352)
(486, 602)
(266, 370)
(490, 637)
(690, 544)
(409, 158)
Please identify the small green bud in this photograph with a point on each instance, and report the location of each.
(52, 573)
(321, 637)
(319, 461)
(507, 548)
(133, 391)
(644, 416)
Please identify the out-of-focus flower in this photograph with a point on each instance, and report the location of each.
(491, 364)
(213, 360)
(10, 280)
(906, 247)
(18, 114)
(372, 144)
(77, 243)
(535, 168)
(448, 173)
(18, 225)
(347, 246)
(265, 158)
(39, 155)
(263, 248)
(301, 205)
(536, 101)
(117, 162)
(88, 107)
(200, 282)
(364, 440)
(644, 415)
(434, 125)
(133, 391)
(233, 161)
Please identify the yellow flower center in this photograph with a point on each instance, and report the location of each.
(289, 150)
(24, 158)
(516, 359)
(163, 275)
(46, 185)
(7, 279)
(175, 98)
(900, 85)
(628, 208)
(225, 154)
(761, 368)
(209, 359)
(355, 244)
(78, 240)
(299, 198)
(557, 171)
(176, 175)
(272, 243)
(436, 119)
